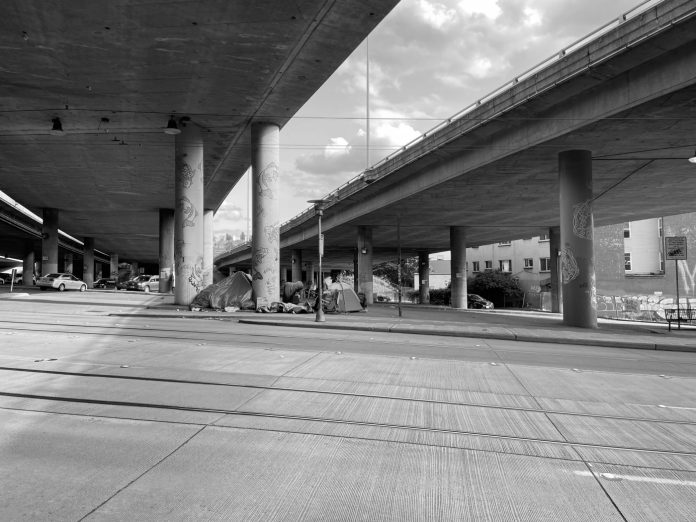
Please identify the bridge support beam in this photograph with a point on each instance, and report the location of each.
(113, 268)
(458, 297)
(208, 245)
(265, 241)
(577, 252)
(188, 214)
(166, 249)
(28, 267)
(297, 265)
(364, 273)
(88, 261)
(554, 265)
(68, 263)
(424, 276)
(49, 241)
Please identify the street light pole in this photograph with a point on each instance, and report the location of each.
(319, 209)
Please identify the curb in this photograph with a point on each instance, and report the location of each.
(482, 335)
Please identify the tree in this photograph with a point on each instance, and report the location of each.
(500, 287)
(388, 270)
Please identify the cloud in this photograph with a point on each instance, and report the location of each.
(337, 157)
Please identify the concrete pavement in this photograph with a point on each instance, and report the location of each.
(118, 406)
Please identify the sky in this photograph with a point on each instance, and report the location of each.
(427, 61)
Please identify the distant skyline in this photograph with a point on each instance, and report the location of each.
(427, 61)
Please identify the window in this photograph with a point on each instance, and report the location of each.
(489, 265)
(662, 262)
(505, 243)
(543, 237)
(505, 265)
(476, 265)
(627, 230)
(660, 230)
(627, 261)
(528, 262)
(544, 264)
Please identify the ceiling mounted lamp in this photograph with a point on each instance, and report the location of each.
(692, 159)
(57, 129)
(171, 127)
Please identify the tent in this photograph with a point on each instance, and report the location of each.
(232, 292)
(342, 299)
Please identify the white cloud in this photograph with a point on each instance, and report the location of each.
(533, 17)
(436, 14)
(336, 148)
(488, 8)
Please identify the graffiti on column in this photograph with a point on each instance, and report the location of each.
(195, 274)
(187, 174)
(256, 276)
(593, 292)
(260, 255)
(582, 219)
(189, 212)
(272, 233)
(267, 180)
(569, 265)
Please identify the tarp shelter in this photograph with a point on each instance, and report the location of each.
(232, 292)
(343, 299)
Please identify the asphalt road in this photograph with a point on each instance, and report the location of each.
(112, 415)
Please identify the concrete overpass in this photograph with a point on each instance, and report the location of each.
(88, 86)
(626, 94)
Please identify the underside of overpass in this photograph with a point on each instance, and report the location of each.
(629, 97)
(113, 73)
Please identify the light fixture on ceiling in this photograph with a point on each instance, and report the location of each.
(57, 129)
(171, 127)
(692, 159)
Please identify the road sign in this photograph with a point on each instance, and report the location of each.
(675, 247)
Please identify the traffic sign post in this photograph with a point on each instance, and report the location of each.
(675, 248)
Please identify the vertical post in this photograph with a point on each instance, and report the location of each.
(676, 274)
(265, 244)
(166, 249)
(577, 251)
(424, 275)
(88, 262)
(188, 214)
(458, 297)
(49, 243)
(320, 305)
(398, 267)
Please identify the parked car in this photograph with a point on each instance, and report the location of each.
(61, 282)
(144, 283)
(476, 301)
(105, 283)
(5, 279)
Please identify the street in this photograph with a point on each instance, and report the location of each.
(113, 415)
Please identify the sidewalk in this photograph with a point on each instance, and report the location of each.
(512, 325)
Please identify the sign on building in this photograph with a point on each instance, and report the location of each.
(675, 247)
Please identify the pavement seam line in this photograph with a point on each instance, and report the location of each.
(144, 473)
(573, 446)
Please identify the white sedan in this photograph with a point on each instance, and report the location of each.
(61, 282)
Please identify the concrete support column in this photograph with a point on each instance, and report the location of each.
(297, 265)
(208, 246)
(365, 281)
(458, 297)
(28, 267)
(188, 214)
(113, 268)
(265, 240)
(88, 262)
(424, 276)
(134, 270)
(68, 263)
(554, 267)
(577, 253)
(49, 241)
(166, 249)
